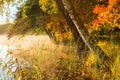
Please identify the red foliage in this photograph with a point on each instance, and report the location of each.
(99, 8)
(105, 13)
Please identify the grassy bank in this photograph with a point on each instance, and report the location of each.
(48, 61)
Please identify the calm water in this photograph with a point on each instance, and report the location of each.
(4, 58)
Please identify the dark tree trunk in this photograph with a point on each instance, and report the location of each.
(80, 32)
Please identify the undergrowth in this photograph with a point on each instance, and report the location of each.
(62, 62)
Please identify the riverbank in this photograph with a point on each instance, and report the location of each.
(49, 61)
(32, 48)
(28, 42)
(24, 46)
(28, 48)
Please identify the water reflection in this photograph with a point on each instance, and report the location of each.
(4, 58)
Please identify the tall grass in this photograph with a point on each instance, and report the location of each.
(49, 61)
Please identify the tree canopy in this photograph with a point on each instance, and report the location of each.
(96, 15)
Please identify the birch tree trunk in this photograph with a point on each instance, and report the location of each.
(80, 32)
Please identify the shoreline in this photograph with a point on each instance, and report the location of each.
(25, 43)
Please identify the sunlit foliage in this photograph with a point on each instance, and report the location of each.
(58, 28)
(107, 16)
(100, 17)
(33, 16)
(48, 6)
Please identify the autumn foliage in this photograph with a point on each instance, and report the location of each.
(57, 28)
(101, 18)
(108, 16)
